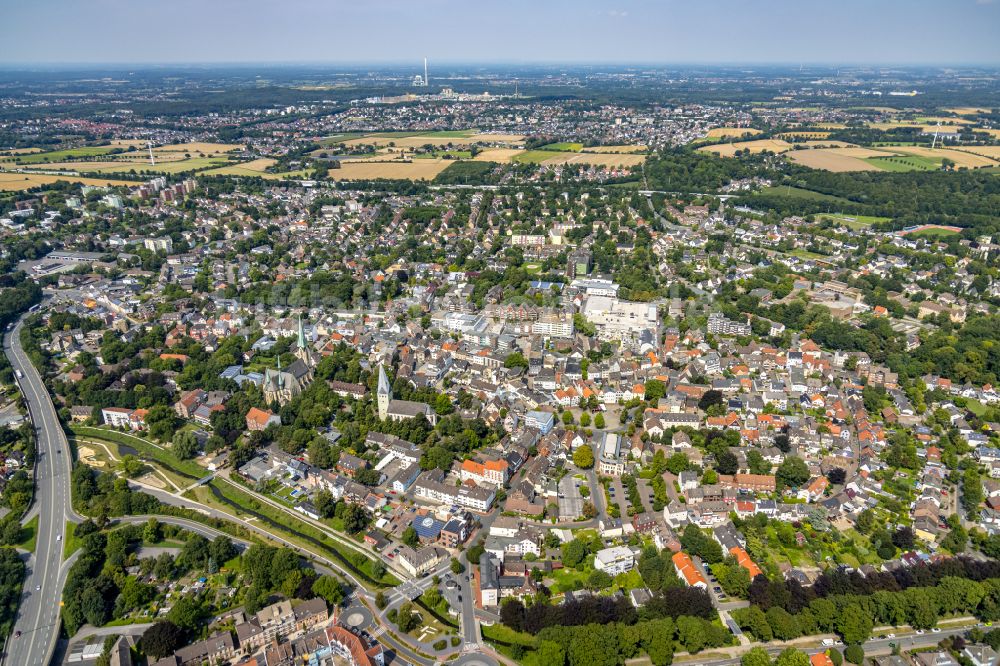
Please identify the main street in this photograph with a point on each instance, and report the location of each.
(38, 615)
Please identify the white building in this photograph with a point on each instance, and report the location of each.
(615, 560)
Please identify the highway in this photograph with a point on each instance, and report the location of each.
(38, 616)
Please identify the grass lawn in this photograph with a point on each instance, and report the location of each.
(563, 146)
(975, 406)
(71, 543)
(501, 632)
(806, 254)
(29, 535)
(800, 193)
(904, 163)
(567, 579)
(855, 222)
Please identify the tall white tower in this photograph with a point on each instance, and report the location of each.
(427, 81)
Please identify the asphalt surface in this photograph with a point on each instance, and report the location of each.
(38, 615)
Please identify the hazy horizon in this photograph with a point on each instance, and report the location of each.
(82, 33)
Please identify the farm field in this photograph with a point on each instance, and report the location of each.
(63, 155)
(253, 168)
(600, 159)
(564, 146)
(804, 135)
(417, 170)
(497, 155)
(836, 159)
(731, 132)
(540, 156)
(202, 147)
(966, 110)
(959, 157)
(926, 127)
(992, 152)
(757, 146)
(123, 166)
(22, 181)
(616, 149)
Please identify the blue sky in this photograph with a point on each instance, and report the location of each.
(665, 31)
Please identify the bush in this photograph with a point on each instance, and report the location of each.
(855, 654)
(455, 641)
(441, 644)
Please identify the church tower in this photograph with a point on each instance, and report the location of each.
(384, 393)
(302, 350)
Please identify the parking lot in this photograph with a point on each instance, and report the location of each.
(570, 499)
(618, 496)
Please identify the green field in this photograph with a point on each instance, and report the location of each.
(799, 193)
(904, 163)
(70, 541)
(539, 156)
(564, 146)
(855, 222)
(69, 153)
(328, 141)
(933, 233)
(449, 134)
(445, 154)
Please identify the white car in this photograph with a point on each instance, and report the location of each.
(935, 630)
(59, 537)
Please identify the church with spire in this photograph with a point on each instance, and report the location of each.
(281, 385)
(398, 410)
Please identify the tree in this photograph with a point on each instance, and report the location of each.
(854, 624)
(583, 457)
(410, 537)
(678, 463)
(791, 657)
(380, 600)
(329, 588)
(903, 538)
(727, 463)
(709, 398)
(793, 472)
(573, 552)
(854, 654)
(567, 418)
(406, 619)
(655, 389)
(598, 580)
(456, 566)
(162, 639)
(151, 531)
(757, 656)
(836, 476)
(599, 421)
(185, 444)
(131, 466)
(585, 420)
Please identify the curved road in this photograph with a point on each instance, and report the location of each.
(38, 614)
